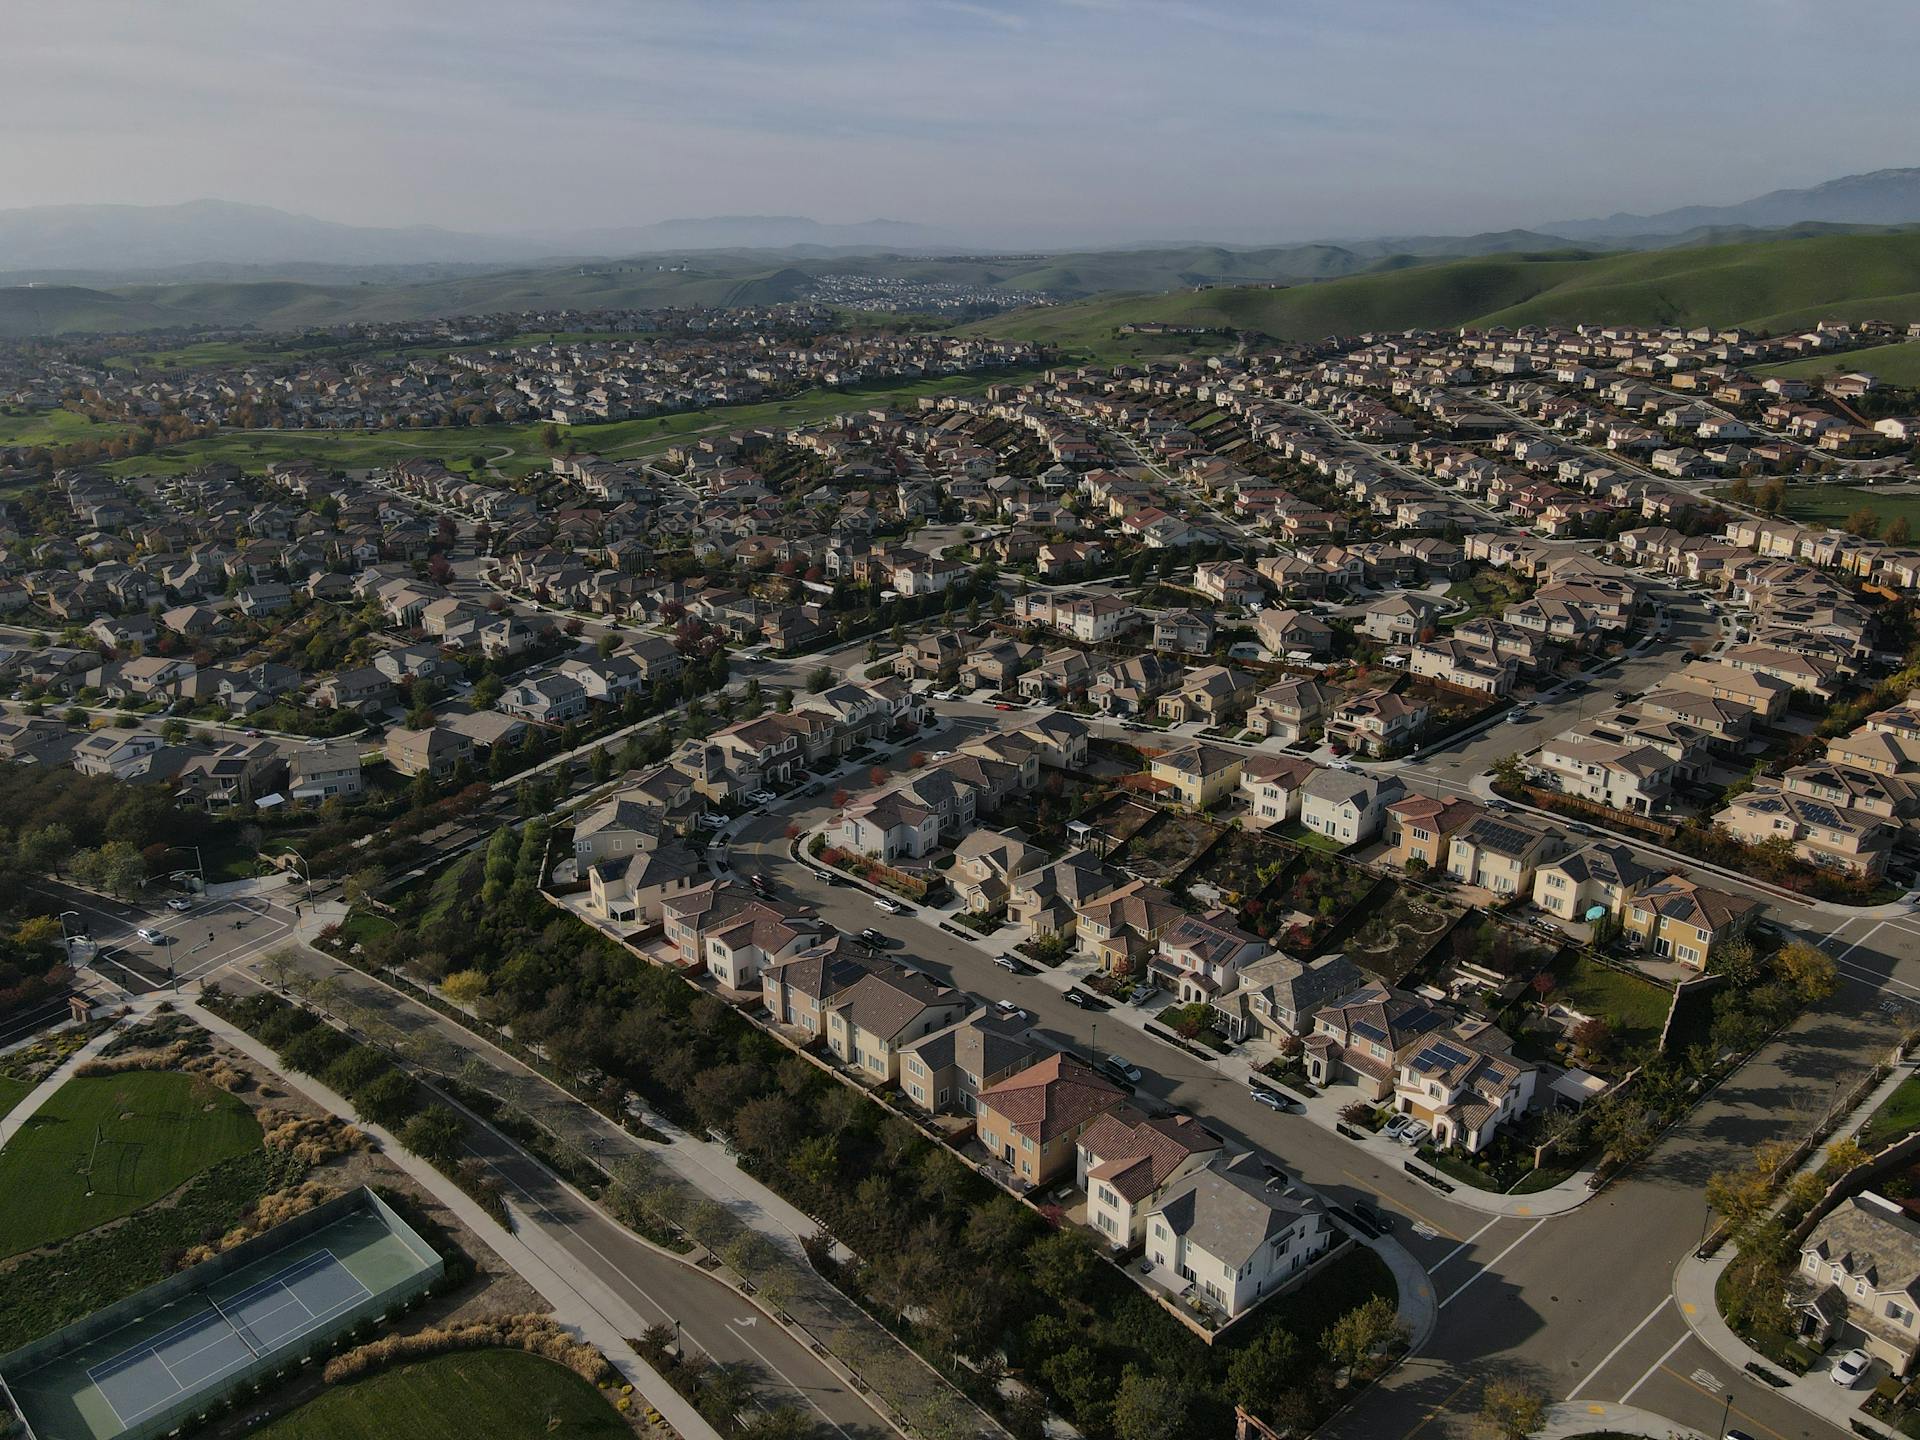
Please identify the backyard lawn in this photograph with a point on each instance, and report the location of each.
(1636, 1008)
(468, 1395)
(1898, 1115)
(142, 1134)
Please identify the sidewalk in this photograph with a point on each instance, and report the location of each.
(1323, 1109)
(1693, 1286)
(597, 1317)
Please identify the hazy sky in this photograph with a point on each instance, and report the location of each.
(1028, 119)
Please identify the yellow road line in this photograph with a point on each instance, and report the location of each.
(1438, 1408)
(1691, 1383)
(1425, 1219)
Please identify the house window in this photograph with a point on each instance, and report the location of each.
(1837, 1276)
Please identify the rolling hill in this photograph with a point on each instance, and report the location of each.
(1770, 284)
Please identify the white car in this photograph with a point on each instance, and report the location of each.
(892, 907)
(711, 821)
(179, 902)
(152, 937)
(941, 755)
(1851, 1368)
(762, 797)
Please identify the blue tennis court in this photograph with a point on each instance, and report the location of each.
(232, 1332)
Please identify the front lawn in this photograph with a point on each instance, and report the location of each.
(468, 1395)
(1898, 1116)
(1193, 1022)
(12, 1092)
(139, 1135)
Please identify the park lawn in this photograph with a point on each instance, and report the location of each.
(1890, 364)
(53, 427)
(1898, 1115)
(1635, 1007)
(156, 1130)
(468, 1395)
(1832, 504)
(12, 1092)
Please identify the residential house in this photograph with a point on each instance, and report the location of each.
(436, 751)
(1346, 807)
(1032, 1121)
(944, 1072)
(1602, 874)
(870, 1021)
(985, 865)
(1048, 899)
(1278, 996)
(1197, 774)
(1859, 1273)
(1684, 919)
(1199, 956)
(1822, 833)
(1500, 853)
(1363, 1036)
(1422, 828)
(1213, 695)
(1376, 722)
(1126, 1160)
(1272, 786)
(1290, 711)
(1125, 925)
(1228, 1239)
(1464, 1084)
(735, 933)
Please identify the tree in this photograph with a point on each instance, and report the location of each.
(1809, 971)
(435, 1134)
(36, 931)
(1354, 1338)
(1512, 1409)
(362, 885)
(46, 848)
(607, 644)
(1591, 1038)
(1509, 772)
(1863, 522)
(1740, 1197)
(819, 679)
(600, 765)
(1842, 1156)
(464, 987)
(1063, 1265)
(1264, 1370)
(1773, 496)
(1899, 532)
(1149, 1407)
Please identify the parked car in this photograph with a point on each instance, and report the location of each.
(873, 937)
(1272, 1099)
(179, 902)
(152, 937)
(1009, 1009)
(946, 694)
(762, 797)
(1080, 998)
(1373, 1217)
(711, 821)
(892, 907)
(1851, 1368)
(1122, 1069)
(1010, 965)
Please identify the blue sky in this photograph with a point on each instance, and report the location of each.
(1049, 121)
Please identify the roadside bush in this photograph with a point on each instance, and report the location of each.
(537, 1334)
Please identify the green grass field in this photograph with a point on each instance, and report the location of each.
(1899, 1114)
(469, 1395)
(1892, 364)
(1768, 285)
(156, 1131)
(12, 1092)
(620, 439)
(1832, 504)
(53, 427)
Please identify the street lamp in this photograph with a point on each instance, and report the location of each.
(66, 939)
(306, 872)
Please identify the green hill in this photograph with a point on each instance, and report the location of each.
(1771, 284)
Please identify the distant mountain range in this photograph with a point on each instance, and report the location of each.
(1879, 197)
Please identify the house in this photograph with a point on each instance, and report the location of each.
(1032, 1121)
(1048, 899)
(985, 865)
(1463, 1084)
(1197, 774)
(436, 751)
(1764, 693)
(1500, 853)
(1347, 807)
(1631, 777)
(1185, 632)
(1463, 666)
(1362, 1036)
(870, 1021)
(945, 1071)
(1421, 828)
(1376, 722)
(1228, 582)
(1224, 1237)
(1831, 836)
(629, 886)
(1399, 619)
(1288, 633)
(1212, 695)
(1125, 1161)
(893, 825)
(618, 827)
(1130, 686)
(735, 933)
(1681, 918)
(233, 774)
(360, 688)
(796, 988)
(1290, 711)
(1199, 956)
(546, 700)
(323, 770)
(1860, 1266)
(1600, 874)
(1278, 996)
(1126, 924)
(1271, 785)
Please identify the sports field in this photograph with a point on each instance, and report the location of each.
(104, 1146)
(168, 1362)
(472, 1395)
